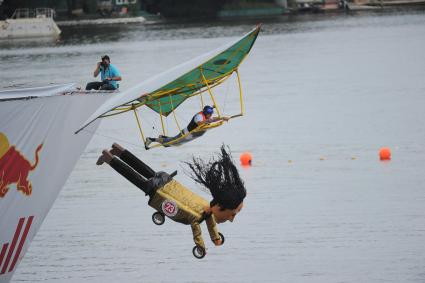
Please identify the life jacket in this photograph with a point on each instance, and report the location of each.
(192, 124)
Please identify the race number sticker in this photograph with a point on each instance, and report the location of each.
(169, 208)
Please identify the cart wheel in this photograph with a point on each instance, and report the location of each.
(158, 218)
(222, 238)
(198, 252)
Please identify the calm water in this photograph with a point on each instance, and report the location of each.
(322, 96)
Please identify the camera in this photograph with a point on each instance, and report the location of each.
(102, 63)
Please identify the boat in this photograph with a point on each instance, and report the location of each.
(30, 23)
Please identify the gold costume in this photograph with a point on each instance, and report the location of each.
(183, 206)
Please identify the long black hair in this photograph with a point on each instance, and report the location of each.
(220, 176)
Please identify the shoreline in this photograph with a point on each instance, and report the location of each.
(240, 15)
(102, 21)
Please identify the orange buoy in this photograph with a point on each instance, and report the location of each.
(246, 158)
(385, 153)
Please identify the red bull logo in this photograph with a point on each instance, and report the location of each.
(7, 260)
(15, 168)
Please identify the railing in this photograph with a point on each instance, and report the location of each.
(31, 13)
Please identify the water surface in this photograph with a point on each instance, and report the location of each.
(322, 96)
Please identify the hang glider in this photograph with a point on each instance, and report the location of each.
(167, 91)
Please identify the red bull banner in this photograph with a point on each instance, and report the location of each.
(38, 151)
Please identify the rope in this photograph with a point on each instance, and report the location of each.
(111, 138)
(174, 113)
(225, 96)
(240, 93)
(160, 116)
(202, 100)
(139, 125)
(210, 92)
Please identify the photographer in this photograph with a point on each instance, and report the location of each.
(109, 75)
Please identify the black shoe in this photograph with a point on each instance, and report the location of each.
(148, 142)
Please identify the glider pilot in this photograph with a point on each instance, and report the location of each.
(187, 134)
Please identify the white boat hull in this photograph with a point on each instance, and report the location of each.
(30, 27)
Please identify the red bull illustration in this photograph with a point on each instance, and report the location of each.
(15, 167)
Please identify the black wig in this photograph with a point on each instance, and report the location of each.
(221, 178)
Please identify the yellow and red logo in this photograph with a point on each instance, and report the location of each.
(15, 167)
